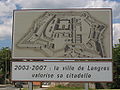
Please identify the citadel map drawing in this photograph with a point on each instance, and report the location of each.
(70, 34)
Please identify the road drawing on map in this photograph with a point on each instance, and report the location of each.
(65, 34)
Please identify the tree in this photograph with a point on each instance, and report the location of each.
(116, 68)
(5, 56)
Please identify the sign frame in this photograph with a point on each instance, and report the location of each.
(57, 58)
(66, 62)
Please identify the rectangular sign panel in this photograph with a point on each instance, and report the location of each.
(62, 34)
(62, 71)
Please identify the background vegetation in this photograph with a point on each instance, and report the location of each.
(5, 58)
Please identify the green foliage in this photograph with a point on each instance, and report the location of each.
(61, 86)
(116, 53)
(116, 68)
(5, 56)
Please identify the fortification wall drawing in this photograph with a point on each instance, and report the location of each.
(66, 34)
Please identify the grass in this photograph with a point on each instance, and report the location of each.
(56, 88)
(35, 87)
(59, 87)
(24, 89)
(107, 89)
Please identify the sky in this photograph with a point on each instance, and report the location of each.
(7, 7)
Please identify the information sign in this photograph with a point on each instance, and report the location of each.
(62, 71)
(62, 34)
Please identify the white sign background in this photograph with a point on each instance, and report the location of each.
(62, 71)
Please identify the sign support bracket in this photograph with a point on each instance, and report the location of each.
(86, 86)
(30, 86)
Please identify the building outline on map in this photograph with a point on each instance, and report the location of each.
(63, 34)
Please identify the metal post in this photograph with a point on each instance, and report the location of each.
(20, 89)
(30, 86)
(86, 86)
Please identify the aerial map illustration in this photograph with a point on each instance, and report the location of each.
(71, 34)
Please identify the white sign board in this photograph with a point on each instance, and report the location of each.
(62, 71)
(62, 34)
